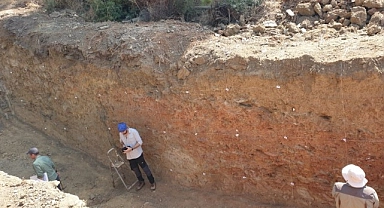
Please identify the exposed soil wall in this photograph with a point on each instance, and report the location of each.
(272, 120)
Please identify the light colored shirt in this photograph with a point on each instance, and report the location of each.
(43, 164)
(347, 196)
(130, 140)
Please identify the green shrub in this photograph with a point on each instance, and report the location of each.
(185, 8)
(242, 5)
(206, 2)
(117, 10)
(52, 5)
(105, 10)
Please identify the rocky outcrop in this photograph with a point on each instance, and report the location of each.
(355, 14)
(341, 15)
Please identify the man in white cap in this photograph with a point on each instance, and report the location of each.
(354, 193)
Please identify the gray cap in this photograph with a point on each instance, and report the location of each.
(33, 150)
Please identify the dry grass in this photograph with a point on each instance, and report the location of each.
(9, 4)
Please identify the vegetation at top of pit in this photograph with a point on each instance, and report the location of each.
(146, 10)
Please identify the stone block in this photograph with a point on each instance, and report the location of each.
(305, 9)
(183, 73)
(358, 16)
(374, 4)
(373, 29)
(318, 10)
(377, 19)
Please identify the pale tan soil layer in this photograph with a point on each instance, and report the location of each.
(274, 118)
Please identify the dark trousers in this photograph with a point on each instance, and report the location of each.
(140, 161)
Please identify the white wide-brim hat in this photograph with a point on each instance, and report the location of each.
(354, 176)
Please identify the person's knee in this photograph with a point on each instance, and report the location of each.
(136, 171)
(147, 171)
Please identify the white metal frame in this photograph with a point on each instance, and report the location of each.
(116, 164)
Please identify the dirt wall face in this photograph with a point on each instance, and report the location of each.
(272, 121)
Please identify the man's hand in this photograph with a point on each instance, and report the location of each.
(128, 150)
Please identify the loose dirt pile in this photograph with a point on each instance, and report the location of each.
(28, 193)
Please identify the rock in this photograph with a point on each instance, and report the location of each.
(324, 2)
(292, 27)
(372, 11)
(258, 28)
(290, 12)
(270, 24)
(317, 9)
(341, 13)
(307, 24)
(373, 29)
(305, 9)
(199, 60)
(232, 30)
(55, 14)
(359, 2)
(183, 73)
(103, 27)
(279, 16)
(308, 36)
(237, 63)
(346, 22)
(327, 8)
(377, 19)
(374, 4)
(328, 17)
(354, 27)
(303, 19)
(333, 3)
(242, 20)
(335, 25)
(358, 16)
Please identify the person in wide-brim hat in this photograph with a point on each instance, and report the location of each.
(354, 193)
(354, 176)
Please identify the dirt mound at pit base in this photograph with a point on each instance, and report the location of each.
(16, 192)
